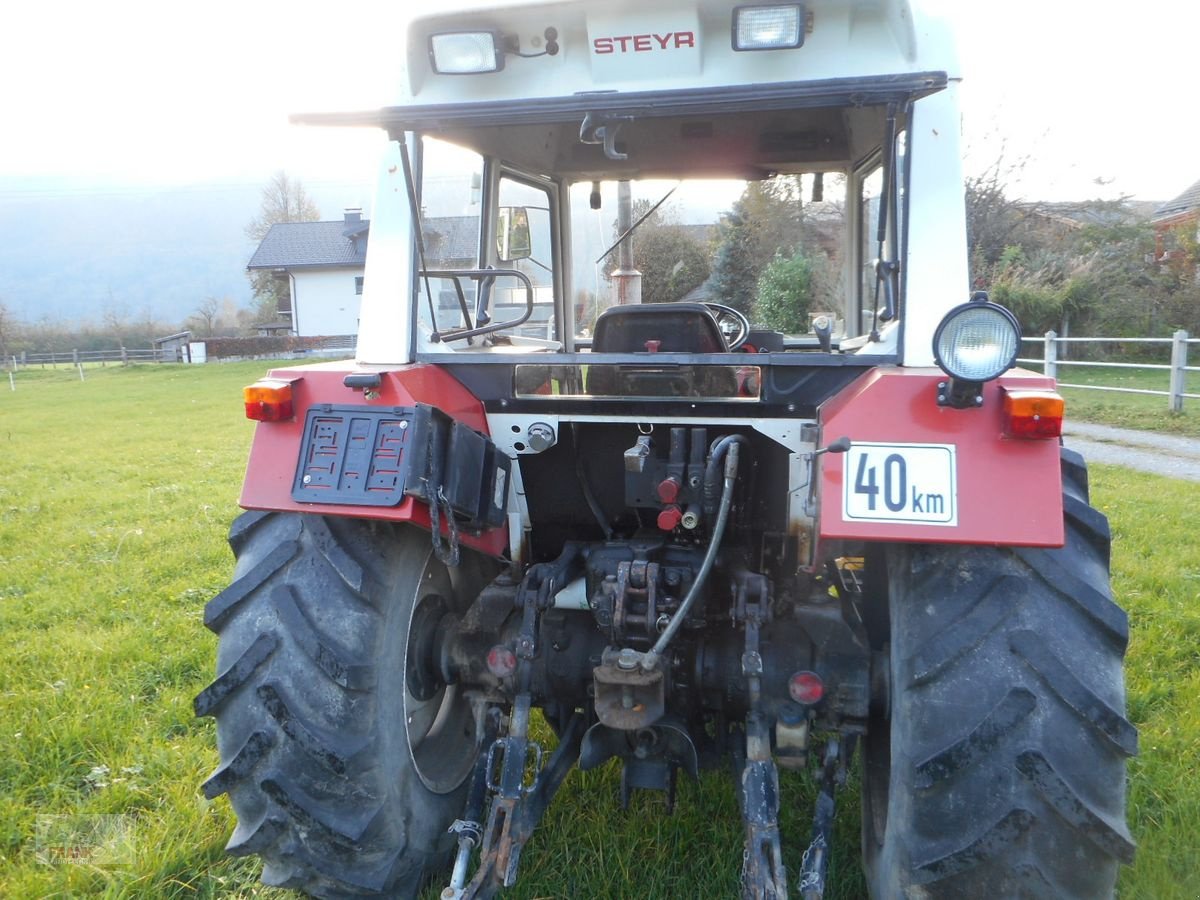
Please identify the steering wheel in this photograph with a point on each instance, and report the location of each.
(733, 324)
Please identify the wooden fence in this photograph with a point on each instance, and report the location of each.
(252, 348)
(1055, 347)
(1053, 358)
(75, 358)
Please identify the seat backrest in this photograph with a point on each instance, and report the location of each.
(677, 328)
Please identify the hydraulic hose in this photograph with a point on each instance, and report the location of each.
(712, 472)
(730, 451)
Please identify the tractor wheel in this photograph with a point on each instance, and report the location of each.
(343, 755)
(1000, 771)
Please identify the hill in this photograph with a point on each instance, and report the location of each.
(75, 252)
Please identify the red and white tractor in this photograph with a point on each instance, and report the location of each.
(688, 535)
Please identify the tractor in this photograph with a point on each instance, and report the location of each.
(686, 527)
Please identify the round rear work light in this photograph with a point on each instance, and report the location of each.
(977, 342)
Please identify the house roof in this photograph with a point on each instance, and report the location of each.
(307, 245)
(701, 293)
(1075, 214)
(295, 245)
(1186, 202)
(452, 237)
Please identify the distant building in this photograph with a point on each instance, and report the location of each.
(174, 347)
(324, 262)
(1173, 216)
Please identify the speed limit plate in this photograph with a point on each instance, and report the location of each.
(912, 483)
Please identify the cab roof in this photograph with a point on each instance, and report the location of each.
(666, 80)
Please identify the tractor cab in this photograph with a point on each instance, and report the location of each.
(569, 147)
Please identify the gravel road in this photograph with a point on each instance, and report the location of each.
(1161, 454)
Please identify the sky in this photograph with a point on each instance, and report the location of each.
(1097, 96)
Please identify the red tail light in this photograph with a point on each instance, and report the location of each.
(269, 400)
(1033, 414)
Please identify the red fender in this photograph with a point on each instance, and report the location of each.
(933, 474)
(275, 450)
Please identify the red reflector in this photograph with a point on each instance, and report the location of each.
(269, 400)
(806, 688)
(501, 661)
(1033, 414)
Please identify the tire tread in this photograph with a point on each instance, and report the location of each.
(220, 607)
(337, 662)
(209, 700)
(1008, 730)
(1067, 686)
(297, 700)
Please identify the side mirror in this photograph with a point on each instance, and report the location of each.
(512, 234)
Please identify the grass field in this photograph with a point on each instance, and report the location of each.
(115, 498)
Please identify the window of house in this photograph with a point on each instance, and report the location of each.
(358, 283)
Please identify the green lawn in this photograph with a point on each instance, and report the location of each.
(114, 502)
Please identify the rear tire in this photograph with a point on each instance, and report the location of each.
(1001, 772)
(343, 759)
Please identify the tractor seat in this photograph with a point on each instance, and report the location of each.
(659, 328)
(676, 327)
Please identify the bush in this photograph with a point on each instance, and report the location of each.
(232, 348)
(785, 294)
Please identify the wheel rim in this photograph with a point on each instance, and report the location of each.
(438, 721)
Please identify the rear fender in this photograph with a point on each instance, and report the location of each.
(919, 472)
(275, 450)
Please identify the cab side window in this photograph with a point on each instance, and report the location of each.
(524, 241)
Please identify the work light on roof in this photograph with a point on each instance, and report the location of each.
(465, 53)
(768, 27)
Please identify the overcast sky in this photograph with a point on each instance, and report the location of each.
(131, 91)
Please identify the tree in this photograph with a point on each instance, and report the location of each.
(8, 332)
(205, 318)
(283, 200)
(114, 320)
(766, 220)
(735, 273)
(1084, 267)
(672, 263)
(993, 216)
(671, 260)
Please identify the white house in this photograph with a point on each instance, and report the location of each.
(323, 263)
